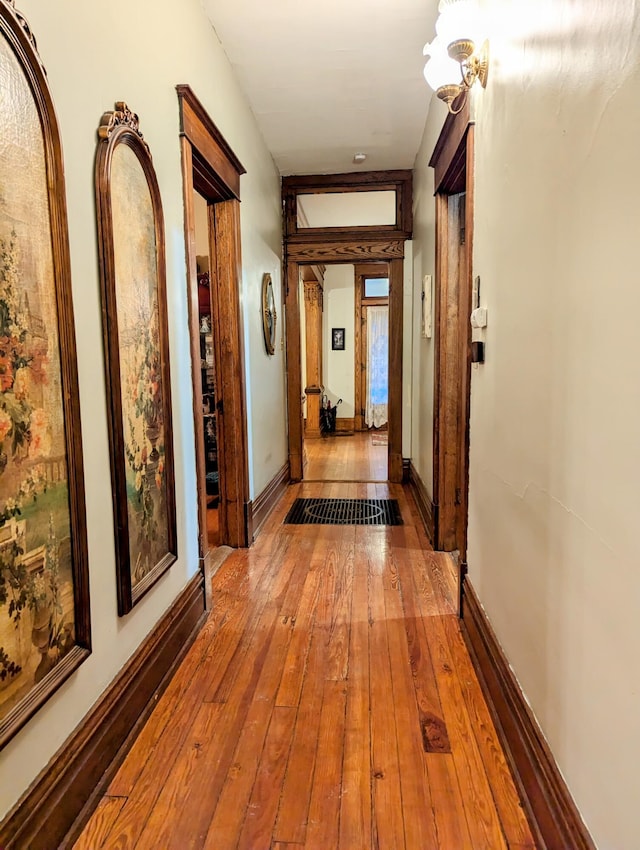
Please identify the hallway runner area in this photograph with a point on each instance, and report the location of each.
(328, 703)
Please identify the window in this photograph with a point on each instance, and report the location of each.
(376, 287)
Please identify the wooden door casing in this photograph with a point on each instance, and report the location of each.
(210, 167)
(452, 161)
(345, 253)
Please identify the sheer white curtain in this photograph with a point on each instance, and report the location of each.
(377, 366)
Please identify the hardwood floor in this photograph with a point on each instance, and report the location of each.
(358, 457)
(329, 703)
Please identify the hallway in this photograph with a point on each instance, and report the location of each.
(358, 457)
(328, 702)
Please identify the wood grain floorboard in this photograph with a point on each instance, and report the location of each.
(352, 458)
(329, 703)
(100, 823)
(324, 807)
(263, 805)
(355, 803)
(388, 824)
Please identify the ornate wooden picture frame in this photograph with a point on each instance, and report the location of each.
(44, 585)
(269, 315)
(134, 309)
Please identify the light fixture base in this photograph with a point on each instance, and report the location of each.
(461, 49)
(450, 94)
(479, 64)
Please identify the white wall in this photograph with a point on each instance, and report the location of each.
(339, 366)
(424, 262)
(554, 550)
(96, 53)
(347, 209)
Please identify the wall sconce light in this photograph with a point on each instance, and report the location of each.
(452, 56)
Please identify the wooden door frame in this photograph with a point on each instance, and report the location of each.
(210, 167)
(453, 163)
(345, 254)
(365, 244)
(362, 271)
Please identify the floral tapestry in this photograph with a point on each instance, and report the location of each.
(135, 318)
(140, 373)
(38, 627)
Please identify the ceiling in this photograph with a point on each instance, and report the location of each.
(329, 78)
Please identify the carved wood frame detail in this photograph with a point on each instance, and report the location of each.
(121, 127)
(15, 29)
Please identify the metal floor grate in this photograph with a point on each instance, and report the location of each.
(344, 512)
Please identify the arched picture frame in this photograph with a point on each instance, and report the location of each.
(44, 586)
(269, 315)
(134, 308)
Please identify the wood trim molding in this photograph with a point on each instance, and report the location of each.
(194, 334)
(453, 162)
(53, 811)
(349, 181)
(423, 501)
(344, 425)
(406, 470)
(553, 816)
(210, 167)
(266, 501)
(399, 181)
(445, 159)
(345, 252)
(197, 126)
(226, 274)
(294, 371)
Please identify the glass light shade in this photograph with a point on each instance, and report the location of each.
(459, 19)
(440, 69)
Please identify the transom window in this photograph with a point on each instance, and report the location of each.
(376, 287)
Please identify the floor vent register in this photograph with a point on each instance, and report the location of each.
(344, 512)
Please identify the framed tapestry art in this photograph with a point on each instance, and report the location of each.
(269, 315)
(134, 309)
(44, 588)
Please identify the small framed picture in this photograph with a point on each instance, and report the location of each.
(337, 339)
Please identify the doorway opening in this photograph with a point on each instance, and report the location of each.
(372, 346)
(211, 176)
(387, 196)
(207, 370)
(337, 353)
(452, 161)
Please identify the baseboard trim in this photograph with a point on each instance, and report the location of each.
(345, 424)
(406, 470)
(269, 497)
(58, 804)
(553, 816)
(423, 501)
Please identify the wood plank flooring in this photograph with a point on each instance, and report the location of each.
(329, 703)
(357, 457)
